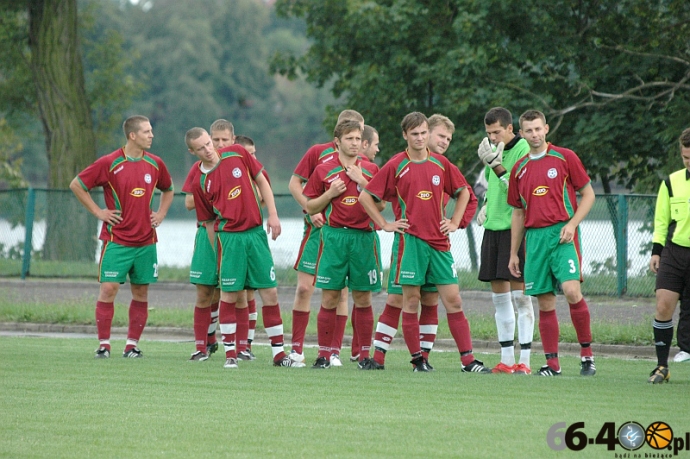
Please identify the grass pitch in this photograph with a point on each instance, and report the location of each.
(57, 401)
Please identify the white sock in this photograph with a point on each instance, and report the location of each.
(505, 325)
(525, 320)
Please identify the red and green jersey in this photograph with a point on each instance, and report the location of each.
(128, 185)
(194, 185)
(317, 154)
(345, 211)
(546, 187)
(418, 187)
(231, 190)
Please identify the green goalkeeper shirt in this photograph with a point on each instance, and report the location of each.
(498, 211)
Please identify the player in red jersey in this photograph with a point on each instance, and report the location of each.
(542, 189)
(129, 177)
(306, 258)
(348, 253)
(417, 179)
(244, 259)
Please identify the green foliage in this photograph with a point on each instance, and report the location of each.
(10, 161)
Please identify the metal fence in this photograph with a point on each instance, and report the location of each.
(47, 233)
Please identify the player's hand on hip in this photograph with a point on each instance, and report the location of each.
(110, 216)
(273, 226)
(398, 226)
(447, 226)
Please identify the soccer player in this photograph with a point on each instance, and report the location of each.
(244, 259)
(306, 258)
(441, 130)
(495, 215)
(670, 259)
(542, 190)
(203, 272)
(129, 177)
(348, 252)
(417, 178)
(370, 142)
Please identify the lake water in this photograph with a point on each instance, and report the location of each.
(176, 243)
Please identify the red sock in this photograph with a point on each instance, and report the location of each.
(242, 315)
(325, 326)
(138, 313)
(251, 305)
(428, 325)
(386, 328)
(460, 329)
(227, 318)
(300, 320)
(104, 321)
(549, 330)
(355, 346)
(213, 324)
(410, 327)
(365, 328)
(338, 333)
(579, 314)
(273, 324)
(202, 319)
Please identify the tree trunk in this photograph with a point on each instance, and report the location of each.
(57, 69)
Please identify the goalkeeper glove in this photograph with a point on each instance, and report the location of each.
(481, 216)
(488, 155)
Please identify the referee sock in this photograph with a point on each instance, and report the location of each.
(386, 328)
(300, 320)
(579, 314)
(410, 327)
(104, 320)
(138, 313)
(228, 328)
(242, 315)
(325, 324)
(273, 324)
(663, 335)
(251, 305)
(214, 323)
(202, 317)
(460, 329)
(549, 330)
(428, 325)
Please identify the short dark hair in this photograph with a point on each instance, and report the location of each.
(531, 115)
(345, 127)
(368, 133)
(498, 115)
(684, 138)
(133, 123)
(193, 134)
(413, 120)
(244, 140)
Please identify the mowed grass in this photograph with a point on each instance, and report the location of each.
(58, 401)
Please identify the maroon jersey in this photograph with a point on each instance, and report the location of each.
(128, 185)
(345, 211)
(195, 185)
(418, 188)
(546, 187)
(231, 190)
(317, 154)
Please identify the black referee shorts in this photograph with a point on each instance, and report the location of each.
(496, 255)
(674, 268)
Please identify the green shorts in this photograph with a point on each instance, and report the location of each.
(245, 260)
(419, 264)
(204, 267)
(396, 289)
(548, 263)
(117, 261)
(348, 257)
(308, 249)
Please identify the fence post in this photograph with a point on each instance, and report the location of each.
(622, 247)
(28, 231)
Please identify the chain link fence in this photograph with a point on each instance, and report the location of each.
(47, 233)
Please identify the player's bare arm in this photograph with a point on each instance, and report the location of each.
(372, 209)
(109, 216)
(316, 205)
(272, 222)
(517, 234)
(189, 202)
(586, 203)
(654, 263)
(158, 216)
(450, 225)
(295, 186)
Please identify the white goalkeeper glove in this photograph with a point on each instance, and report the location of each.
(488, 155)
(481, 216)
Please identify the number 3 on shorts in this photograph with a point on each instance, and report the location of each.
(572, 266)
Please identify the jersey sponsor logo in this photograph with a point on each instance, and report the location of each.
(349, 200)
(552, 173)
(138, 192)
(235, 193)
(407, 169)
(540, 191)
(118, 170)
(236, 172)
(425, 195)
(147, 178)
(436, 180)
(333, 179)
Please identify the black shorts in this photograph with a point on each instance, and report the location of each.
(674, 268)
(496, 255)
